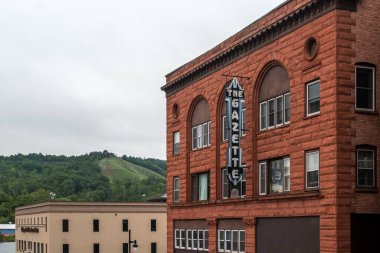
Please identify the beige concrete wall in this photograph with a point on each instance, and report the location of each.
(110, 236)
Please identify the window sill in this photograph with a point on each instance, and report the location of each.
(306, 117)
(288, 196)
(368, 112)
(274, 128)
(366, 190)
(199, 149)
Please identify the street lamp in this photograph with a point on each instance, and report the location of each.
(134, 246)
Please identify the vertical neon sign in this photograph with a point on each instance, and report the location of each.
(234, 99)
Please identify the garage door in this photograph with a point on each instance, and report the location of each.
(287, 235)
(365, 233)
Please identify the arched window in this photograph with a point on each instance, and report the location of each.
(274, 98)
(200, 125)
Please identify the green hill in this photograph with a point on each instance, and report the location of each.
(97, 176)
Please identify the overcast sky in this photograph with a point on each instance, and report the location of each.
(85, 75)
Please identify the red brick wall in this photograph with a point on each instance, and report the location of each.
(335, 132)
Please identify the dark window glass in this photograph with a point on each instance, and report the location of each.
(96, 247)
(365, 88)
(65, 248)
(176, 189)
(65, 225)
(125, 248)
(153, 225)
(153, 247)
(287, 107)
(313, 99)
(95, 225)
(271, 114)
(227, 186)
(125, 225)
(279, 110)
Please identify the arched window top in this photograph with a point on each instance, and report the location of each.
(201, 113)
(275, 82)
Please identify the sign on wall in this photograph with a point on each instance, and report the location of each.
(235, 100)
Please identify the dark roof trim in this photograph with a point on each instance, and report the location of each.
(282, 27)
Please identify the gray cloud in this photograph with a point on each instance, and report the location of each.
(78, 76)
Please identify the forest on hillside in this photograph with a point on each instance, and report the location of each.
(35, 178)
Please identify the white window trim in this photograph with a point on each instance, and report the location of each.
(198, 136)
(199, 240)
(374, 88)
(287, 190)
(223, 184)
(195, 231)
(194, 145)
(286, 94)
(180, 240)
(266, 116)
(225, 241)
(265, 178)
(207, 126)
(373, 168)
(306, 171)
(204, 238)
(174, 143)
(224, 122)
(176, 190)
(240, 240)
(283, 114)
(307, 98)
(175, 238)
(241, 182)
(232, 241)
(274, 114)
(189, 238)
(244, 122)
(221, 242)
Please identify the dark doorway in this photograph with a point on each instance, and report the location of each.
(365, 233)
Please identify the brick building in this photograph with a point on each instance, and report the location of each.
(311, 131)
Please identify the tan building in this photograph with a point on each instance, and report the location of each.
(91, 227)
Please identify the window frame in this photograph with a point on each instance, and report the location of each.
(206, 239)
(189, 239)
(197, 175)
(274, 113)
(307, 98)
(176, 238)
(319, 168)
(373, 68)
(287, 95)
(263, 177)
(125, 225)
(195, 239)
(265, 116)
(176, 145)
(266, 178)
(201, 240)
(181, 244)
(282, 111)
(198, 136)
(227, 184)
(176, 200)
(373, 149)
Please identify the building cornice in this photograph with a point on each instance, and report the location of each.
(280, 28)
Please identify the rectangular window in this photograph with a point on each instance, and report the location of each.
(287, 108)
(125, 226)
(199, 136)
(65, 248)
(195, 140)
(279, 111)
(225, 128)
(177, 238)
(365, 88)
(189, 239)
(276, 176)
(221, 241)
(206, 240)
(153, 225)
(153, 247)
(95, 225)
(200, 187)
(96, 247)
(365, 164)
(176, 189)
(200, 240)
(65, 225)
(228, 240)
(263, 116)
(195, 239)
(312, 169)
(176, 143)
(227, 185)
(271, 113)
(287, 174)
(263, 178)
(243, 122)
(125, 248)
(183, 239)
(313, 99)
(206, 127)
(242, 241)
(235, 241)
